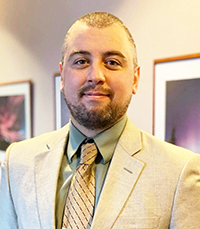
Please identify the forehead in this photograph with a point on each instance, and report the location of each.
(114, 37)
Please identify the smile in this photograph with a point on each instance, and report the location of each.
(95, 95)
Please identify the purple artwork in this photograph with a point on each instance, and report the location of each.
(12, 120)
(64, 111)
(183, 113)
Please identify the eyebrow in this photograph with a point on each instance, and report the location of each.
(74, 53)
(106, 54)
(114, 53)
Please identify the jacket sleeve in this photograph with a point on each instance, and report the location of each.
(186, 206)
(8, 217)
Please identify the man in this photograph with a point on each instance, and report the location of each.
(140, 181)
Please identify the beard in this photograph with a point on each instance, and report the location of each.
(98, 117)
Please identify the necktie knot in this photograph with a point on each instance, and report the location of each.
(88, 153)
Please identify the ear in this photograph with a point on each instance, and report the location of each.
(61, 67)
(61, 74)
(136, 79)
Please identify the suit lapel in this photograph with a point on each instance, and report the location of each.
(47, 167)
(123, 169)
(122, 176)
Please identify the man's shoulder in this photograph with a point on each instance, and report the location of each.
(40, 143)
(156, 143)
(49, 137)
(154, 147)
(168, 155)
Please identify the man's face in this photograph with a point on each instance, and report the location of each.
(98, 75)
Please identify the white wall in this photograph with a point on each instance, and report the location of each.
(32, 32)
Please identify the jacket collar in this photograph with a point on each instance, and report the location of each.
(124, 168)
(47, 168)
(122, 176)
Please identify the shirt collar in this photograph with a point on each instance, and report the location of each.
(106, 141)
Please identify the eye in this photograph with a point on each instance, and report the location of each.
(81, 63)
(112, 64)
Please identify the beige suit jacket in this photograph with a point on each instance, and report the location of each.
(150, 184)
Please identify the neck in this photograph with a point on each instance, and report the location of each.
(90, 133)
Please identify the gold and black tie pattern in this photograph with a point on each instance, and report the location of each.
(79, 207)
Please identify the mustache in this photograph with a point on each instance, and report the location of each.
(103, 90)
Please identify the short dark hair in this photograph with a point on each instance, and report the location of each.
(101, 20)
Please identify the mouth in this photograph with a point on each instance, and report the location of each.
(96, 95)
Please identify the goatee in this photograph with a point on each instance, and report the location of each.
(98, 117)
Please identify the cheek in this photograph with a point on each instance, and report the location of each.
(74, 79)
(122, 82)
(70, 82)
(122, 88)
(122, 93)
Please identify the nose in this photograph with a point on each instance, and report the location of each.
(96, 74)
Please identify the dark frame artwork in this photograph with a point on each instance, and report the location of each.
(61, 110)
(176, 106)
(15, 113)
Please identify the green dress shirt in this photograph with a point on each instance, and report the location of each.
(106, 143)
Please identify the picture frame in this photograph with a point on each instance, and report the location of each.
(176, 100)
(62, 114)
(15, 113)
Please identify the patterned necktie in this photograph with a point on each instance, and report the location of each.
(79, 206)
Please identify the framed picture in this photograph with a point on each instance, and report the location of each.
(15, 113)
(176, 116)
(61, 109)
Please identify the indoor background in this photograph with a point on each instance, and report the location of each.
(32, 33)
